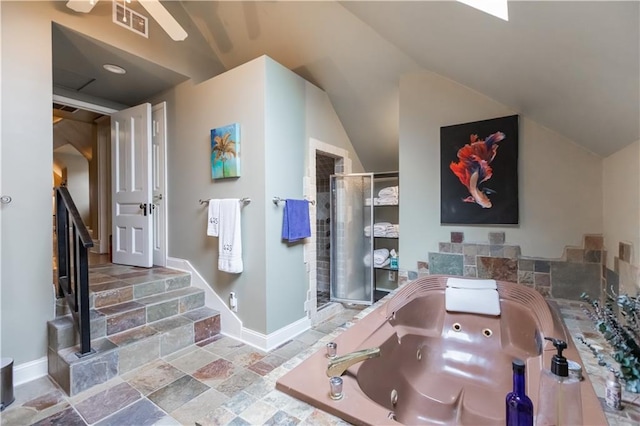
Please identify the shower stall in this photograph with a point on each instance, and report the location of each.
(352, 278)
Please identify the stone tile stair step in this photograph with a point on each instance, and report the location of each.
(116, 291)
(122, 352)
(128, 315)
(115, 319)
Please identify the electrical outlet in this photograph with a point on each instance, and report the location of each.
(392, 275)
(233, 301)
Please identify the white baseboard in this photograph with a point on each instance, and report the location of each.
(230, 324)
(29, 371)
(273, 340)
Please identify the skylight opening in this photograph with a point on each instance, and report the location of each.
(497, 8)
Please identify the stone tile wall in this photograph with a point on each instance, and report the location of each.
(581, 269)
(325, 166)
(624, 274)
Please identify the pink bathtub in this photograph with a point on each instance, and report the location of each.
(437, 367)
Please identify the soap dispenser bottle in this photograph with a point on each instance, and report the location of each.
(519, 406)
(559, 399)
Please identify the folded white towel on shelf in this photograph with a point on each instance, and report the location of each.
(213, 218)
(382, 201)
(381, 226)
(380, 255)
(367, 262)
(390, 191)
(386, 201)
(230, 239)
(383, 264)
(382, 229)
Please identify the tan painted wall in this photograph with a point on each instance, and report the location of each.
(560, 184)
(621, 207)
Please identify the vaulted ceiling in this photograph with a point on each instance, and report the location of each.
(571, 66)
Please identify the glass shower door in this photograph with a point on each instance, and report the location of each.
(351, 246)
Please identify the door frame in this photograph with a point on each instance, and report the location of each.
(343, 161)
(104, 209)
(159, 132)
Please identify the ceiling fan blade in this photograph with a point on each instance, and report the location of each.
(82, 6)
(164, 18)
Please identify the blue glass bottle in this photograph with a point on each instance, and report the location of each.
(519, 406)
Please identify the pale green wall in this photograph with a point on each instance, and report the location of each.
(26, 168)
(278, 112)
(560, 184)
(26, 174)
(621, 175)
(287, 280)
(237, 96)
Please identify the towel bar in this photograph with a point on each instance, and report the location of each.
(277, 200)
(245, 200)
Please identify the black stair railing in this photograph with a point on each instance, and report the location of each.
(73, 265)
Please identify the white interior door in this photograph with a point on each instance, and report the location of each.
(131, 186)
(159, 183)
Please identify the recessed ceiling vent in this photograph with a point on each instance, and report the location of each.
(65, 108)
(130, 19)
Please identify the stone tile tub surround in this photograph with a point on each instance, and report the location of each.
(580, 269)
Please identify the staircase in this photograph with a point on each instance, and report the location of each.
(137, 315)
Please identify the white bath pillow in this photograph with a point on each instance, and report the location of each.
(468, 283)
(474, 301)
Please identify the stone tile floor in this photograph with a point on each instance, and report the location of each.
(219, 381)
(225, 382)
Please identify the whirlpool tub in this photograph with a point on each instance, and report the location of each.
(439, 367)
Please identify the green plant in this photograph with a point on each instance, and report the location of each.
(622, 335)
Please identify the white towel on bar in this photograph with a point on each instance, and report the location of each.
(213, 218)
(230, 239)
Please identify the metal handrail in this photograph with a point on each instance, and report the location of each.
(73, 277)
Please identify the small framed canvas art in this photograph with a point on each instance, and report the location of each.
(225, 151)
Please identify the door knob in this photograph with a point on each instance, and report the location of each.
(5, 199)
(143, 207)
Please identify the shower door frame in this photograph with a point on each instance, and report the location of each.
(334, 263)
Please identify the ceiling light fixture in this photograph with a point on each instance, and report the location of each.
(497, 8)
(114, 69)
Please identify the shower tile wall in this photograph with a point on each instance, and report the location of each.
(325, 166)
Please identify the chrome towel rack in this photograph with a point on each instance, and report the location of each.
(245, 200)
(276, 201)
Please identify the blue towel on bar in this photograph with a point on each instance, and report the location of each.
(296, 224)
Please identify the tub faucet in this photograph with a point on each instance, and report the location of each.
(337, 366)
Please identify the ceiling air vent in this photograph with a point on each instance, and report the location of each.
(126, 17)
(65, 108)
